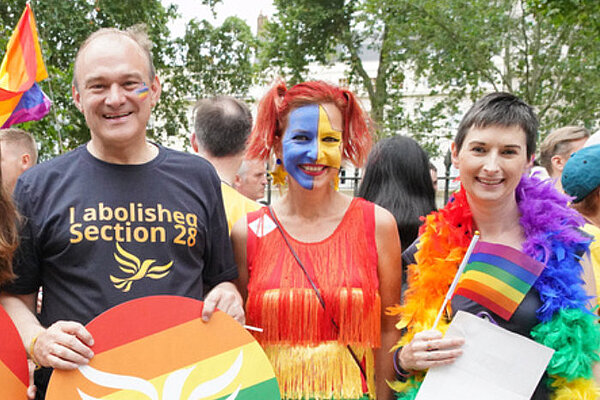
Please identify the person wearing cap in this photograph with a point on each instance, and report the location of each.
(557, 147)
(581, 180)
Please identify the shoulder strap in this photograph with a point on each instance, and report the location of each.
(316, 290)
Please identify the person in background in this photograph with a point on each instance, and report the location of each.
(251, 179)
(19, 153)
(517, 215)
(397, 178)
(319, 268)
(581, 180)
(222, 125)
(9, 240)
(118, 196)
(9, 236)
(434, 176)
(557, 147)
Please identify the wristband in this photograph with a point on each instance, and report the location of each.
(31, 346)
(399, 370)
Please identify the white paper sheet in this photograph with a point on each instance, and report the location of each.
(496, 364)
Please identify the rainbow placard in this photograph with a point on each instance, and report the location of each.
(158, 348)
(14, 373)
(498, 277)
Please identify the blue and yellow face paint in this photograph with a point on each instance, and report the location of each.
(310, 144)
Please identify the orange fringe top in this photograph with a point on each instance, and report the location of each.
(282, 302)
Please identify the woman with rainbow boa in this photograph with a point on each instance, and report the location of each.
(493, 150)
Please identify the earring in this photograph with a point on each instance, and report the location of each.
(279, 173)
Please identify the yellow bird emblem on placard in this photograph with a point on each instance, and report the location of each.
(137, 269)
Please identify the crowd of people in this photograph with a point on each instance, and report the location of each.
(345, 289)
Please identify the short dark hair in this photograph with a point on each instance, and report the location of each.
(396, 177)
(222, 125)
(500, 109)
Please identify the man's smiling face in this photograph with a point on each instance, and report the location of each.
(114, 90)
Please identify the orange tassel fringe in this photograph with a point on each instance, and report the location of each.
(308, 353)
(326, 371)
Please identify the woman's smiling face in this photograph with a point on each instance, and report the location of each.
(312, 144)
(491, 162)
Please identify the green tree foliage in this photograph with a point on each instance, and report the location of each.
(218, 60)
(460, 49)
(62, 26)
(579, 12)
(467, 48)
(208, 60)
(307, 31)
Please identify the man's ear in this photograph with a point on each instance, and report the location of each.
(76, 98)
(25, 161)
(558, 162)
(194, 142)
(155, 90)
(237, 182)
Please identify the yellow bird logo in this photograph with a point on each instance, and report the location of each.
(133, 266)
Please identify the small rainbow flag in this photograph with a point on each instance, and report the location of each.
(498, 277)
(142, 91)
(20, 97)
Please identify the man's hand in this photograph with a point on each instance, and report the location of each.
(64, 345)
(226, 298)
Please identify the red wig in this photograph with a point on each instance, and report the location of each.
(274, 108)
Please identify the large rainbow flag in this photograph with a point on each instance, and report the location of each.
(498, 277)
(21, 99)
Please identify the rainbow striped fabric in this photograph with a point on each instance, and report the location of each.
(158, 348)
(21, 99)
(14, 375)
(498, 277)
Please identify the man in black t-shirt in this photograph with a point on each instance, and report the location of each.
(117, 219)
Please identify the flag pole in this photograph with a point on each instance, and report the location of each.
(457, 277)
(56, 125)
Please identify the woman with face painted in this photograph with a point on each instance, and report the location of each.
(318, 268)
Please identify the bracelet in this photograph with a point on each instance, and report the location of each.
(399, 370)
(31, 346)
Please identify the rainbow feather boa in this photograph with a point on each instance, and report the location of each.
(552, 237)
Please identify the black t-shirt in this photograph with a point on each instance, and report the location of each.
(97, 234)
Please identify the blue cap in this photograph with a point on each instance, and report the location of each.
(581, 174)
